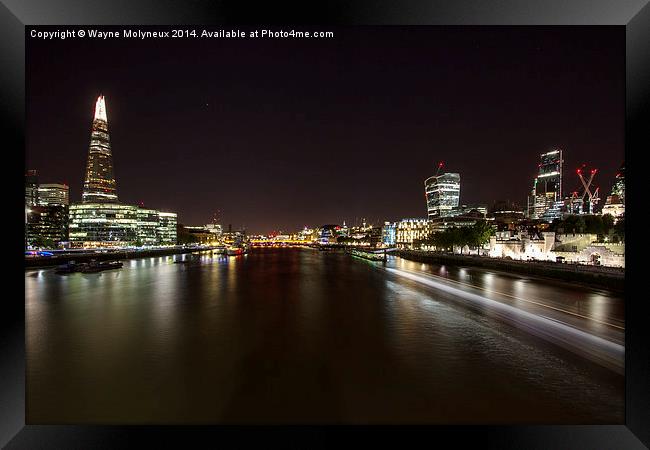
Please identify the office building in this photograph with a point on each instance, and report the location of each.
(103, 224)
(147, 229)
(46, 213)
(167, 228)
(463, 210)
(409, 231)
(442, 194)
(46, 226)
(545, 200)
(119, 225)
(507, 215)
(31, 188)
(53, 194)
(388, 233)
(619, 184)
(100, 220)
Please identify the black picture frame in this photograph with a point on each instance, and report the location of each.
(634, 15)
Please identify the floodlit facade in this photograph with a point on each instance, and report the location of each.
(167, 228)
(521, 246)
(103, 224)
(545, 200)
(409, 230)
(99, 184)
(115, 224)
(570, 248)
(442, 194)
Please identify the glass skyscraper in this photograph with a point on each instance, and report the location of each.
(100, 220)
(99, 184)
(545, 199)
(615, 203)
(619, 185)
(442, 194)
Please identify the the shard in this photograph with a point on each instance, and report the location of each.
(99, 185)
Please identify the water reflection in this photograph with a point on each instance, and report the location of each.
(284, 335)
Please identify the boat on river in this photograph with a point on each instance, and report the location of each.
(69, 267)
(235, 250)
(372, 256)
(95, 266)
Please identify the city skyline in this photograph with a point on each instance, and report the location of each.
(269, 180)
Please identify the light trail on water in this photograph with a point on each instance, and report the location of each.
(606, 353)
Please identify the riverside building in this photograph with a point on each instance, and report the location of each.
(46, 213)
(100, 220)
(545, 200)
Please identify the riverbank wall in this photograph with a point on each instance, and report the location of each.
(48, 261)
(598, 276)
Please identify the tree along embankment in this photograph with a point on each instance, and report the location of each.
(598, 276)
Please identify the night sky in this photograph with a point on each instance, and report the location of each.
(277, 134)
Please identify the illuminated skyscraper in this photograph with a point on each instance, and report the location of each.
(100, 220)
(615, 203)
(442, 194)
(545, 199)
(619, 185)
(99, 185)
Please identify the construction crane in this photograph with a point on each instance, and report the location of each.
(593, 195)
(440, 164)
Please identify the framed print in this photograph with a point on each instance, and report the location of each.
(352, 222)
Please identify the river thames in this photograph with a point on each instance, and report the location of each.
(302, 336)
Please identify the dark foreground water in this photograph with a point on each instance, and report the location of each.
(301, 336)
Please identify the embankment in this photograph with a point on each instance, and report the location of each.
(47, 261)
(598, 276)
